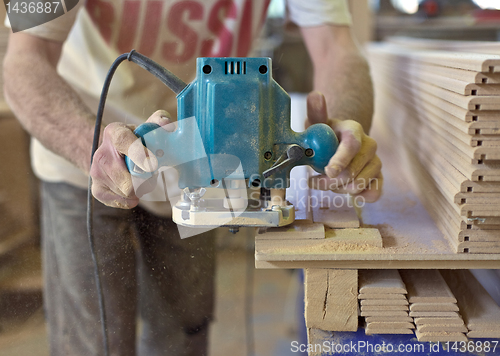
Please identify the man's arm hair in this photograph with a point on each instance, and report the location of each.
(341, 73)
(47, 107)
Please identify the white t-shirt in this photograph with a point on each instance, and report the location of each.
(172, 33)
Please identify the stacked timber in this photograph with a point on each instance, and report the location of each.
(440, 110)
(481, 313)
(433, 307)
(382, 295)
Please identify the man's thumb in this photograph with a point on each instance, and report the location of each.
(316, 108)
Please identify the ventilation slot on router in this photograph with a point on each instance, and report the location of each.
(236, 67)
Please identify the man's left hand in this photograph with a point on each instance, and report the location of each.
(354, 168)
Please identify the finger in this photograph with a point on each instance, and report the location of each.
(364, 156)
(323, 182)
(163, 119)
(316, 108)
(109, 198)
(127, 143)
(364, 179)
(374, 191)
(349, 146)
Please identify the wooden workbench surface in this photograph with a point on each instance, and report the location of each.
(410, 237)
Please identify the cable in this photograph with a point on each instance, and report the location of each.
(176, 85)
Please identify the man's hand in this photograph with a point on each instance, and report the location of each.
(354, 168)
(111, 181)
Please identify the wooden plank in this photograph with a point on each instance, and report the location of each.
(380, 282)
(391, 297)
(299, 229)
(433, 307)
(337, 240)
(384, 307)
(426, 287)
(391, 313)
(478, 309)
(439, 321)
(316, 339)
(440, 336)
(443, 328)
(439, 314)
(331, 299)
(390, 325)
(466, 61)
(481, 334)
(371, 331)
(383, 319)
(333, 210)
(380, 302)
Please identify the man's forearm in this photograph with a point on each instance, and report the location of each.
(341, 73)
(348, 89)
(48, 107)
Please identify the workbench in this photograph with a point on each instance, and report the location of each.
(410, 238)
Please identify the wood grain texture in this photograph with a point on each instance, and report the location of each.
(383, 297)
(440, 336)
(426, 286)
(391, 325)
(383, 307)
(433, 307)
(457, 320)
(331, 299)
(381, 281)
(333, 210)
(373, 331)
(481, 334)
(385, 319)
(478, 309)
(316, 338)
(442, 328)
(383, 302)
(388, 313)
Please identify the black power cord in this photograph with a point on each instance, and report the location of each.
(176, 85)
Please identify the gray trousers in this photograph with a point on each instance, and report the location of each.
(158, 288)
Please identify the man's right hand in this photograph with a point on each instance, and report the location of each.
(111, 180)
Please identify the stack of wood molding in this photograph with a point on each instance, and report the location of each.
(480, 312)
(440, 110)
(382, 296)
(433, 307)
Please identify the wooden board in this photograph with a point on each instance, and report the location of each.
(438, 314)
(383, 307)
(381, 281)
(316, 338)
(444, 328)
(299, 229)
(390, 297)
(390, 325)
(426, 286)
(388, 313)
(372, 331)
(478, 309)
(438, 321)
(440, 336)
(484, 334)
(383, 319)
(331, 299)
(380, 302)
(333, 210)
(433, 307)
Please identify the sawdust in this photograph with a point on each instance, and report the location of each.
(327, 247)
